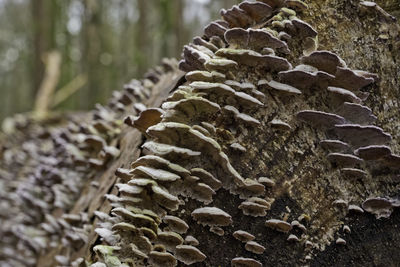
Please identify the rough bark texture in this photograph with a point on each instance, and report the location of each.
(238, 133)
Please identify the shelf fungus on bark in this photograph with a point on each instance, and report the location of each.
(357, 113)
(334, 145)
(245, 262)
(211, 216)
(279, 87)
(189, 254)
(279, 225)
(254, 247)
(373, 152)
(176, 224)
(345, 160)
(359, 135)
(243, 236)
(353, 173)
(162, 259)
(380, 207)
(320, 118)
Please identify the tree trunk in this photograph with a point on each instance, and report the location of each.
(270, 147)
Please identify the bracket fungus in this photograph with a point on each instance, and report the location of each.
(211, 216)
(254, 247)
(189, 254)
(176, 224)
(381, 207)
(279, 225)
(245, 262)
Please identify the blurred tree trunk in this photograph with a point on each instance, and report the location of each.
(142, 33)
(39, 41)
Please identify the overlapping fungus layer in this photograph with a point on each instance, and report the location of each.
(255, 73)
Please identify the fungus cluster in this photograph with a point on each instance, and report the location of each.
(257, 69)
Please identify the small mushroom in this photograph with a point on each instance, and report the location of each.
(320, 118)
(353, 173)
(162, 259)
(359, 135)
(217, 230)
(190, 240)
(381, 207)
(254, 247)
(245, 262)
(293, 238)
(373, 152)
(189, 254)
(176, 224)
(340, 241)
(211, 216)
(334, 145)
(243, 236)
(355, 209)
(279, 225)
(279, 87)
(345, 160)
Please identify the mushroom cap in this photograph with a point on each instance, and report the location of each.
(176, 224)
(350, 79)
(293, 237)
(353, 173)
(359, 135)
(190, 240)
(253, 209)
(320, 118)
(189, 254)
(211, 216)
(148, 118)
(254, 247)
(279, 87)
(243, 236)
(324, 60)
(373, 152)
(357, 113)
(162, 259)
(245, 262)
(334, 145)
(355, 209)
(345, 160)
(279, 225)
(381, 207)
(169, 150)
(256, 10)
(169, 239)
(156, 174)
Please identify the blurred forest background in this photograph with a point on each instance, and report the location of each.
(99, 45)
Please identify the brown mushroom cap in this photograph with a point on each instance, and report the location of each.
(279, 225)
(324, 60)
(381, 207)
(356, 113)
(334, 145)
(243, 236)
(254, 247)
(359, 135)
(189, 254)
(245, 262)
(279, 87)
(148, 118)
(162, 259)
(257, 10)
(345, 160)
(190, 240)
(211, 216)
(176, 224)
(353, 173)
(320, 118)
(373, 152)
